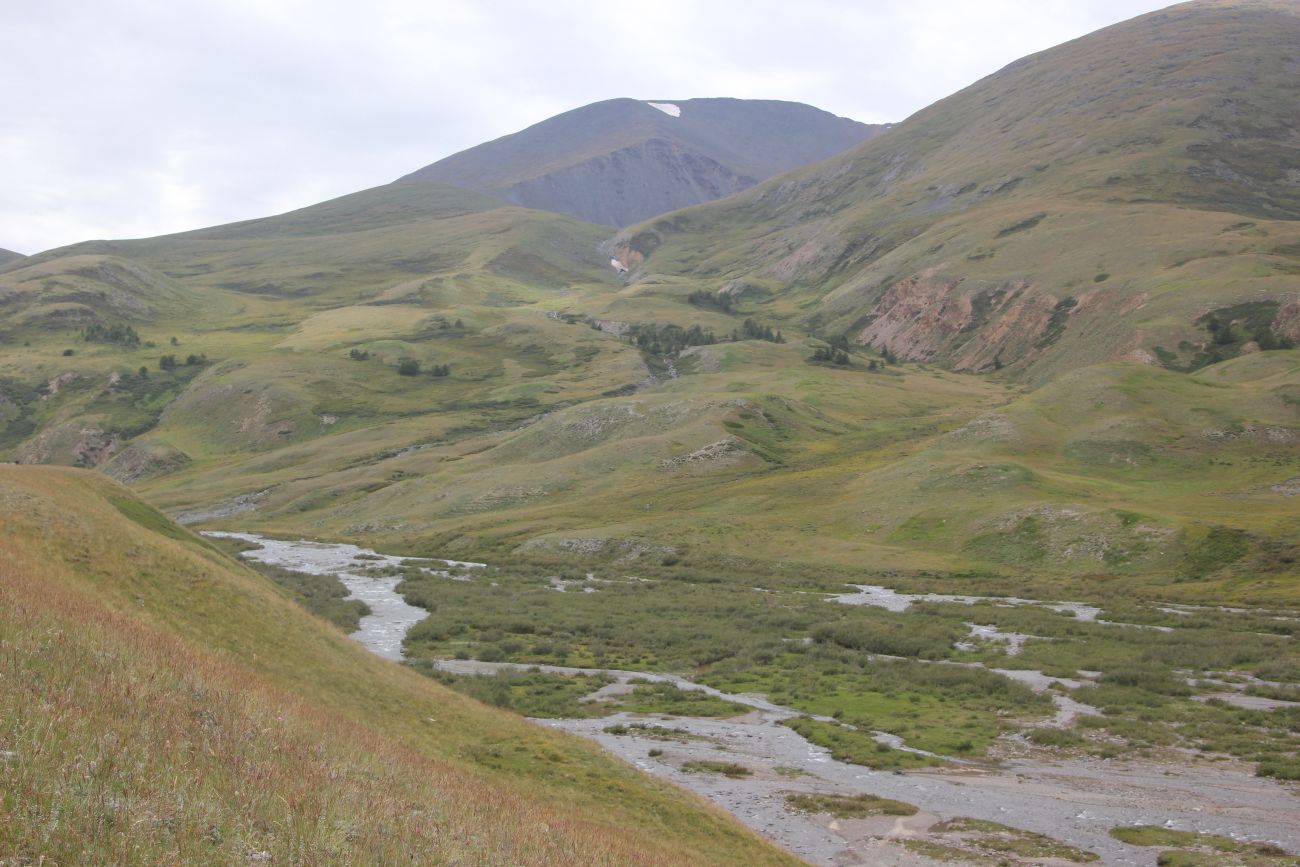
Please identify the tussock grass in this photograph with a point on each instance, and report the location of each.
(996, 841)
(726, 769)
(849, 806)
(1194, 849)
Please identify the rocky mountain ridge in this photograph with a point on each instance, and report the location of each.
(624, 160)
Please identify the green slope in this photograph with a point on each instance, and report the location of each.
(571, 425)
(770, 462)
(1092, 202)
(166, 705)
(273, 309)
(392, 239)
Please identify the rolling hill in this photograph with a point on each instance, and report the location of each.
(624, 160)
(1121, 196)
(422, 365)
(8, 257)
(1037, 342)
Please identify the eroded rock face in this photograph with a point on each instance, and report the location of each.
(927, 317)
(144, 460)
(73, 444)
(1287, 323)
(717, 455)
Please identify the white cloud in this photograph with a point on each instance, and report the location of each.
(137, 117)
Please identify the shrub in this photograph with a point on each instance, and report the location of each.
(727, 769)
(123, 335)
(849, 806)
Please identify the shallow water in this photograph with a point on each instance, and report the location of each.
(381, 631)
(1074, 800)
(892, 600)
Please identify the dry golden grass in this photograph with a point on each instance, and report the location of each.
(161, 704)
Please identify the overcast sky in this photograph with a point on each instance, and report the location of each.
(131, 118)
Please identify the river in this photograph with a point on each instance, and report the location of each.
(1075, 800)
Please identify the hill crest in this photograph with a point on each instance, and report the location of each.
(622, 160)
(1095, 175)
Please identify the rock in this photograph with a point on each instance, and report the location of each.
(70, 444)
(142, 460)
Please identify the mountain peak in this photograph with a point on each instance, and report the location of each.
(623, 160)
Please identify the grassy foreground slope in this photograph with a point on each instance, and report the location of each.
(163, 704)
(1100, 200)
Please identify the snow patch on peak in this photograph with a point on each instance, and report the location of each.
(667, 108)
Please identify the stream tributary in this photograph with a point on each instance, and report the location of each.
(1075, 800)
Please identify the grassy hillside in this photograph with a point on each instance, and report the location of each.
(397, 239)
(311, 313)
(419, 366)
(1097, 201)
(763, 461)
(1037, 341)
(165, 704)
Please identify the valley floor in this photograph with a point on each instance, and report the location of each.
(1030, 803)
(1075, 801)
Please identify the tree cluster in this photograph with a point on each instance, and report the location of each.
(411, 367)
(1225, 332)
(830, 355)
(751, 330)
(669, 339)
(704, 298)
(169, 362)
(122, 335)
